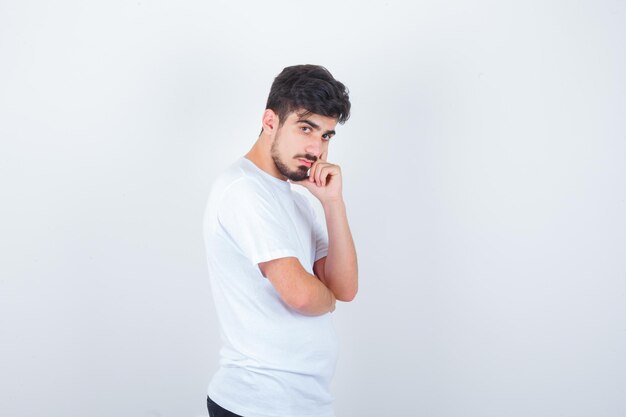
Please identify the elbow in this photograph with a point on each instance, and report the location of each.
(299, 302)
(302, 301)
(307, 306)
(348, 294)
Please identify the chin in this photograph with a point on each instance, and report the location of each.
(299, 174)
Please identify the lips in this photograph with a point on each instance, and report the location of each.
(306, 162)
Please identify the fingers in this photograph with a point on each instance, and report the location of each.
(319, 176)
(316, 172)
(320, 172)
(325, 174)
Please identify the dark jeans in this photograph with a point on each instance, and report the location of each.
(217, 411)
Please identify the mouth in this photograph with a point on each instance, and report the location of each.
(306, 162)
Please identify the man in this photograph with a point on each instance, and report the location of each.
(275, 271)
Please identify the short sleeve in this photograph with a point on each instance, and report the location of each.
(321, 241)
(320, 233)
(254, 221)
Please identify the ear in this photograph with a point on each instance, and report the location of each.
(270, 121)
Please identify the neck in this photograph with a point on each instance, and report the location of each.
(261, 156)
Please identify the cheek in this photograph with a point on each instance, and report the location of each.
(287, 149)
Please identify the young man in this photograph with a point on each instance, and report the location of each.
(276, 272)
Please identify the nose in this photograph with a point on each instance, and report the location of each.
(314, 147)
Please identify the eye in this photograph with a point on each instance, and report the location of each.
(326, 137)
(305, 129)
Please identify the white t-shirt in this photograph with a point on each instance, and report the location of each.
(274, 361)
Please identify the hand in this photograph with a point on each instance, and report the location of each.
(334, 303)
(324, 180)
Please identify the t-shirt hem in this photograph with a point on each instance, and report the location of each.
(275, 254)
(320, 255)
(245, 412)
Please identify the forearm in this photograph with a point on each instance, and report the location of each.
(314, 297)
(297, 288)
(340, 270)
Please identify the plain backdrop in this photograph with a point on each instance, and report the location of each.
(484, 175)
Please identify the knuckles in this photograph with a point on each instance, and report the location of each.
(321, 164)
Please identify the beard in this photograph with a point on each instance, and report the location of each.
(300, 173)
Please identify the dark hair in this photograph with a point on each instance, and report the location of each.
(311, 88)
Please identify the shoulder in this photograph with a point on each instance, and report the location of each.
(243, 193)
(236, 183)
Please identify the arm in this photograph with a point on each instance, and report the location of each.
(338, 270)
(252, 220)
(297, 288)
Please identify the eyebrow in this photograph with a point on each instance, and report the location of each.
(315, 126)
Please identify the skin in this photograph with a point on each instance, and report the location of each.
(282, 150)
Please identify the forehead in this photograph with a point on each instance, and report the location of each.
(325, 122)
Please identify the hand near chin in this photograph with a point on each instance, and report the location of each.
(324, 181)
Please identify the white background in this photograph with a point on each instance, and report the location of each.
(484, 174)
